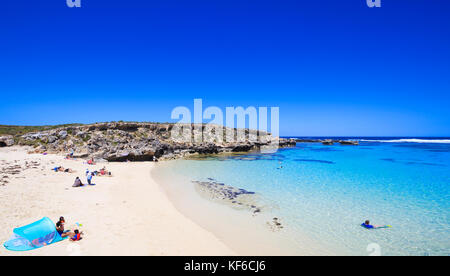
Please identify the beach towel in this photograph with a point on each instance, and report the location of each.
(36, 235)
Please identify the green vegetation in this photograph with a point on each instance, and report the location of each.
(21, 130)
(34, 143)
(86, 138)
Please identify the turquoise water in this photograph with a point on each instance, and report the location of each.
(326, 192)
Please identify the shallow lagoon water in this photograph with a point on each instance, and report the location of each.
(326, 192)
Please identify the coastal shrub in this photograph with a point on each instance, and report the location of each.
(86, 138)
(21, 130)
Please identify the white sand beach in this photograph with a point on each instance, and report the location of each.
(127, 214)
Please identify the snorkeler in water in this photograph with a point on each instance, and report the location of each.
(367, 225)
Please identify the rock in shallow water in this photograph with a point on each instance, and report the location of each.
(238, 198)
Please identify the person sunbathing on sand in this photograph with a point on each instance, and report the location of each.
(62, 169)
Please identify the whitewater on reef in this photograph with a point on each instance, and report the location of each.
(425, 141)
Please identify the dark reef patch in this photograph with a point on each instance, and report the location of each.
(315, 161)
(412, 162)
(239, 157)
(388, 160)
(424, 164)
(425, 146)
(329, 149)
(439, 150)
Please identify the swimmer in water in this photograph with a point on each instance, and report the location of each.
(367, 225)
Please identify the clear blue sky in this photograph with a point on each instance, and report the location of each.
(333, 67)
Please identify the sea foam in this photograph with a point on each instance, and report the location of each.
(434, 141)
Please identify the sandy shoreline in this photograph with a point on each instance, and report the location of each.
(128, 214)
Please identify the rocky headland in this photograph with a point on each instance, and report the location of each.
(122, 141)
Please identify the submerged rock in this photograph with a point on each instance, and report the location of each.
(350, 143)
(238, 198)
(275, 225)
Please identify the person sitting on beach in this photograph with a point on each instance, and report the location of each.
(76, 235)
(103, 171)
(91, 161)
(60, 228)
(60, 225)
(77, 183)
(70, 155)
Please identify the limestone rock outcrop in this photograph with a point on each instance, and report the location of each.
(119, 141)
(6, 141)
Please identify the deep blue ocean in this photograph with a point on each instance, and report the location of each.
(326, 192)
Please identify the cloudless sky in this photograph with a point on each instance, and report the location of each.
(334, 67)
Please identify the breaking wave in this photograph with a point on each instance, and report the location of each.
(428, 141)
